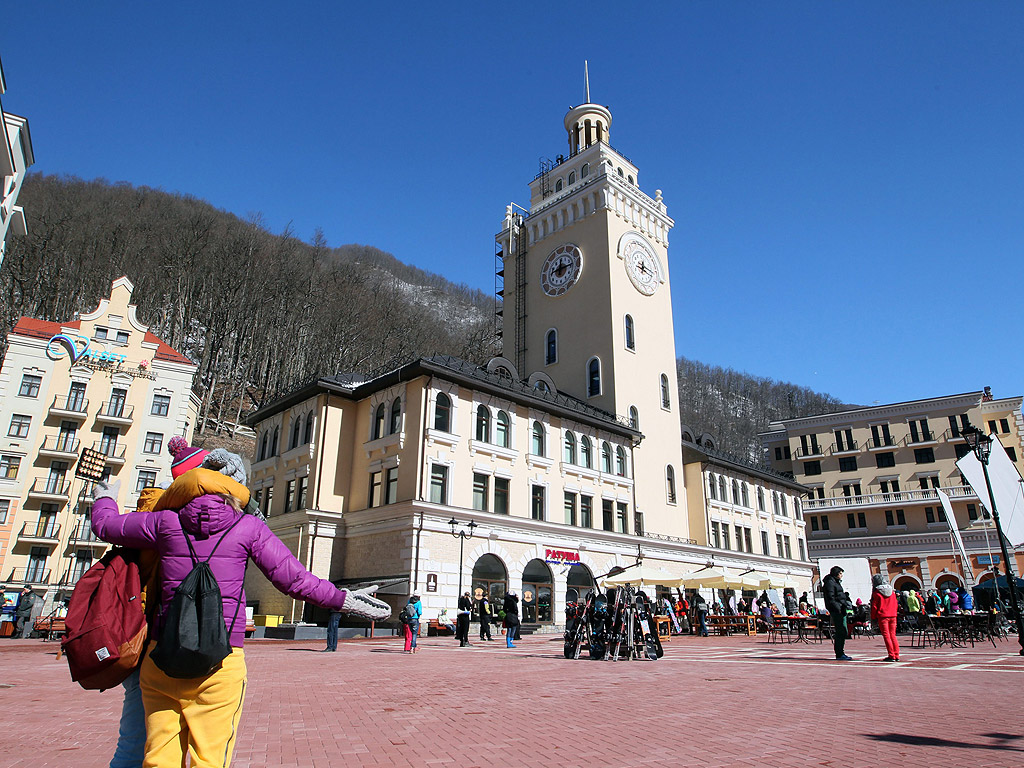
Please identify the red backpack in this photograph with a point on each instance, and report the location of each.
(106, 626)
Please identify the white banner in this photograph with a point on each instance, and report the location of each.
(955, 533)
(1006, 487)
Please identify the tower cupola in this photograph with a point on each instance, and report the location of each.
(588, 123)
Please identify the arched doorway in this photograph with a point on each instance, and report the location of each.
(906, 583)
(947, 581)
(491, 577)
(537, 589)
(580, 579)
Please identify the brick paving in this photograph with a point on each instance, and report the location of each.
(718, 702)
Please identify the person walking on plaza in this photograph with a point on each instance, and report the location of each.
(413, 612)
(332, 631)
(700, 609)
(484, 609)
(511, 608)
(23, 612)
(199, 519)
(884, 607)
(792, 606)
(838, 603)
(462, 620)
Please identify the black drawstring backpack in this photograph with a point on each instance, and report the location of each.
(194, 638)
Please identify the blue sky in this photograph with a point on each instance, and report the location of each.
(845, 177)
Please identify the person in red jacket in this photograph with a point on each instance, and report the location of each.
(884, 605)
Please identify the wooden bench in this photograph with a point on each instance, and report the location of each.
(50, 627)
(726, 625)
(437, 629)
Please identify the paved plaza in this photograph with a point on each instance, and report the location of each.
(712, 702)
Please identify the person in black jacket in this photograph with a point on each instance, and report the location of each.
(511, 608)
(462, 621)
(837, 604)
(483, 606)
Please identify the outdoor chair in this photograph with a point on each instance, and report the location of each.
(923, 633)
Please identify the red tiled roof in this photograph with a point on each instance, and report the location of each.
(44, 329)
(166, 352)
(41, 329)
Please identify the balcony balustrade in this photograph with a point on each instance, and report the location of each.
(921, 496)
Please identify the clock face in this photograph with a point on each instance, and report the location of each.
(561, 269)
(641, 263)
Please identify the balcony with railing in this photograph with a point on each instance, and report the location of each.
(847, 446)
(71, 577)
(82, 536)
(43, 531)
(881, 443)
(114, 452)
(922, 496)
(923, 437)
(810, 452)
(50, 489)
(36, 576)
(116, 412)
(69, 406)
(63, 445)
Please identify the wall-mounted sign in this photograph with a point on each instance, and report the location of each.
(80, 352)
(560, 556)
(431, 582)
(989, 559)
(903, 563)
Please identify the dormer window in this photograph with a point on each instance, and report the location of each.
(572, 178)
(585, 171)
(558, 186)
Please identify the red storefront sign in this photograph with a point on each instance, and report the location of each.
(561, 556)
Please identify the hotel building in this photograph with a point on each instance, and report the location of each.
(15, 158)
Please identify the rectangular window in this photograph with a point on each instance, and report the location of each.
(778, 453)
(501, 495)
(880, 436)
(570, 508)
(438, 484)
(100, 333)
(257, 496)
(147, 479)
(844, 440)
(9, 467)
(638, 523)
(919, 431)
(803, 550)
(901, 519)
(789, 551)
(889, 520)
(848, 464)
(19, 425)
(851, 520)
(765, 550)
(537, 502)
(929, 514)
(122, 337)
(716, 535)
(289, 493)
(161, 405)
(739, 537)
(481, 488)
(778, 543)
(824, 522)
(1004, 426)
(76, 397)
(725, 535)
(30, 385)
(886, 459)
(154, 442)
(300, 492)
(373, 498)
(941, 513)
(36, 570)
(812, 467)
(931, 481)
(972, 512)
(586, 511)
(862, 521)
(269, 499)
(924, 455)
(748, 537)
(5, 508)
(992, 428)
(814, 523)
(622, 517)
(1011, 453)
(390, 486)
(607, 514)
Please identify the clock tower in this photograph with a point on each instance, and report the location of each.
(587, 301)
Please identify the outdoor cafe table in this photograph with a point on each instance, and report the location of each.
(728, 624)
(802, 626)
(959, 629)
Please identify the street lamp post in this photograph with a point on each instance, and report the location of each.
(981, 444)
(461, 535)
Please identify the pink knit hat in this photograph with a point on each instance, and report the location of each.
(185, 456)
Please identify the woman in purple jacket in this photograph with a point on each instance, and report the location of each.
(203, 713)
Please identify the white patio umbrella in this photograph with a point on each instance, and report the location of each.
(643, 576)
(708, 577)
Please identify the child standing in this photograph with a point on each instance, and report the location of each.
(884, 606)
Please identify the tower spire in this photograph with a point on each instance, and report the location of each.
(586, 82)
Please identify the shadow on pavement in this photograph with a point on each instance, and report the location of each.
(932, 741)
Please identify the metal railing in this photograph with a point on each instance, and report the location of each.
(847, 447)
(41, 529)
(894, 497)
(83, 533)
(50, 485)
(30, 575)
(116, 409)
(69, 403)
(806, 453)
(110, 449)
(882, 442)
(65, 442)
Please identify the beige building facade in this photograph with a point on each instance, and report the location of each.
(873, 476)
(124, 394)
(558, 461)
(16, 157)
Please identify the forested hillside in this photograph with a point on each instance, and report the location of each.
(262, 312)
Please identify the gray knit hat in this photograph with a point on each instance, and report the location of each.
(877, 580)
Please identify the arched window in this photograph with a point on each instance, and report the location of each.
(621, 174)
(263, 446)
(723, 490)
(585, 171)
(735, 492)
(630, 340)
(620, 461)
(630, 177)
(296, 431)
(666, 400)
(570, 448)
(558, 186)
(274, 441)
(783, 506)
(483, 424)
(775, 502)
(551, 347)
(760, 499)
(378, 422)
(711, 487)
(308, 436)
(586, 452)
(572, 177)
(396, 416)
(634, 417)
(593, 377)
(538, 439)
(606, 457)
(670, 484)
(503, 372)
(502, 432)
(746, 495)
(443, 413)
